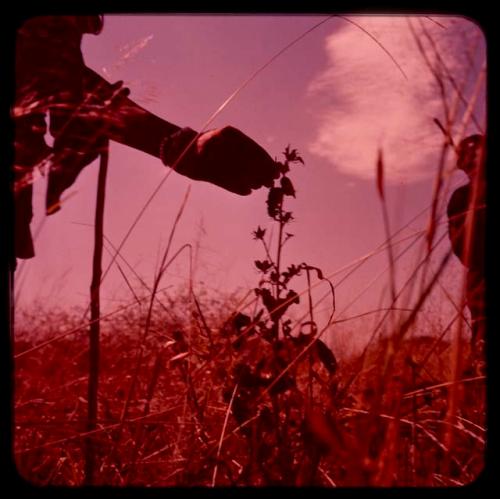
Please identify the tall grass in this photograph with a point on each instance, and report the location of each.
(210, 420)
(231, 391)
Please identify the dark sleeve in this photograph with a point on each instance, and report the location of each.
(457, 214)
(458, 207)
(134, 126)
(49, 61)
(90, 24)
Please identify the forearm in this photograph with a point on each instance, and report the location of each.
(225, 157)
(135, 126)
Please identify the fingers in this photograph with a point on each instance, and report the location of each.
(108, 94)
(118, 93)
(263, 171)
(233, 161)
(271, 172)
(254, 165)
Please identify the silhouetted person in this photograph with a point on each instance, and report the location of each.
(85, 111)
(467, 218)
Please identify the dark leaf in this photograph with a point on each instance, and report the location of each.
(291, 272)
(283, 167)
(280, 307)
(275, 277)
(267, 299)
(287, 186)
(241, 321)
(287, 217)
(269, 333)
(263, 265)
(292, 297)
(287, 327)
(326, 357)
(274, 200)
(302, 340)
(259, 233)
(292, 155)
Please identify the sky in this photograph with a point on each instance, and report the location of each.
(348, 89)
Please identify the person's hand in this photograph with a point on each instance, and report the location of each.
(224, 157)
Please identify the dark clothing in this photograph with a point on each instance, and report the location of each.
(49, 78)
(86, 111)
(49, 62)
(471, 252)
(459, 205)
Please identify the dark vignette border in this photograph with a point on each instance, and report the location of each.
(477, 12)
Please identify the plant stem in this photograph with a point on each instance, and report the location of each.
(268, 253)
(278, 262)
(94, 332)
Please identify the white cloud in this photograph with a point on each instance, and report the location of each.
(364, 102)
